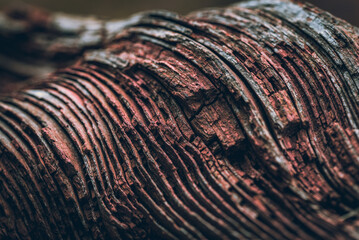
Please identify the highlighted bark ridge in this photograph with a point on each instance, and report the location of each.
(239, 122)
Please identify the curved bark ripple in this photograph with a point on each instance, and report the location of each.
(239, 122)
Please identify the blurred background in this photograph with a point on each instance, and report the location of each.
(346, 9)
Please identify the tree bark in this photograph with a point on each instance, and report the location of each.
(234, 123)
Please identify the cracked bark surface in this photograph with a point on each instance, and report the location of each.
(233, 123)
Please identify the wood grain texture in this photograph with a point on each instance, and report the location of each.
(233, 123)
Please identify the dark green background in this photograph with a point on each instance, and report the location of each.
(346, 9)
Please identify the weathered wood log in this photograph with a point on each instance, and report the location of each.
(228, 123)
(36, 42)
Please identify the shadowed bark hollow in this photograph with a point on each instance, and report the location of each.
(233, 123)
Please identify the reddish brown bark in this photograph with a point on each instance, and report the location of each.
(226, 123)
